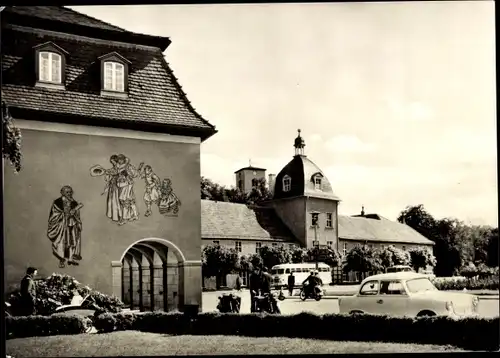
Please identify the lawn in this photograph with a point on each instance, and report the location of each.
(133, 343)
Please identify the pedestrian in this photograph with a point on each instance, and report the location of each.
(28, 293)
(266, 279)
(238, 283)
(291, 283)
(254, 287)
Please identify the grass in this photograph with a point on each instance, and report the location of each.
(133, 343)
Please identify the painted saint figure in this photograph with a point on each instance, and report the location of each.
(120, 202)
(169, 203)
(152, 189)
(65, 228)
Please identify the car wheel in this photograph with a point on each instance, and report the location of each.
(426, 314)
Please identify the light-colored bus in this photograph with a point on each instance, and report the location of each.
(300, 271)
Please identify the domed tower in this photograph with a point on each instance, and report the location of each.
(304, 200)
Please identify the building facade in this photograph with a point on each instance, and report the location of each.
(305, 209)
(111, 149)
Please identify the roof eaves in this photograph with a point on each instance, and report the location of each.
(93, 18)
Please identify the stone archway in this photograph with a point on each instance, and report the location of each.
(150, 276)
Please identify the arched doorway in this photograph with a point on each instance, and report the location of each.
(150, 278)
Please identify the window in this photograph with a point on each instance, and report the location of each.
(314, 219)
(237, 246)
(216, 242)
(255, 183)
(370, 246)
(383, 247)
(317, 183)
(258, 246)
(344, 249)
(392, 288)
(287, 270)
(287, 183)
(329, 243)
(329, 221)
(404, 247)
(369, 288)
(114, 76)
(50, 67)
(240, 184)
(274, 244)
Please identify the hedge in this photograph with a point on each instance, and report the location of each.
(489, 283)
(36, 326)
(467, 333)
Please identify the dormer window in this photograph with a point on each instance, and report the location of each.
(50, 65)
(114, 75)
(287, 183)
(317, 179)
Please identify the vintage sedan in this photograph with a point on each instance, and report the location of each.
(407, 294)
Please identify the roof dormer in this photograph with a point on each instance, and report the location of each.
(114, 75)
(317, 180)
(50, 65)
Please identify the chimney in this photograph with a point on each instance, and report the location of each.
(362, 211)
(270, 182)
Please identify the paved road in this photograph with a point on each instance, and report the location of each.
(487, 308)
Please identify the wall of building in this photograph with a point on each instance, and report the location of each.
(246, 176)
(54, 158)
(248, 247)
(349, 244)
(293, 214)
(324, 234)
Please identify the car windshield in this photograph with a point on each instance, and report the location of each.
(420, 285)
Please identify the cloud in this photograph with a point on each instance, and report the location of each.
(315, 138)
(409, 111)
(348, 144)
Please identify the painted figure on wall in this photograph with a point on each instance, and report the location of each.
(120, 201)
(169, 203)
(65, 228)
(152, 188)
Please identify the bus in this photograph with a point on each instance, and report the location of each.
(300, 271)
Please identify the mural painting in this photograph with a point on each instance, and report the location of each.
(65, 228)
(120, 199)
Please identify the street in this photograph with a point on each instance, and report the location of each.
(487, 307)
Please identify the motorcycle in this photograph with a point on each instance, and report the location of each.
(316, 293)
(266, 302)
(229, 303)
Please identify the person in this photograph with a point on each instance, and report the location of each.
(291, 283)
(266, 280)
(238, 283)
(310, 281)
(28, 293)
(254, 287)
(65, 228)
(319, 281)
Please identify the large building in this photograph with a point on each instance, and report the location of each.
(303, 212)
(111, 150)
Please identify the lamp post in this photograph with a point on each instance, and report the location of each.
(316, 244)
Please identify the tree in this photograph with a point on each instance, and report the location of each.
(256, 261)
(492, 248)
(216, 192)
(272, 256)
(362, 259)
(391, 256)
(299, 255)
(327, 255)
(419, 219)
(218, 261)
(421, 258)
(11, 139)
(259, 192)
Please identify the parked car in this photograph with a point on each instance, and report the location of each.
(407, 294)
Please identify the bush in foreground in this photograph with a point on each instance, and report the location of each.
(36, 326)
(488, 283)
(467, 333)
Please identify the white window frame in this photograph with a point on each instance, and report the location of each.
(329, 220)
(317, 219)
(114, 81)
(287, 183)
(344, 249)
(317, 182)
(237, 246)
(329, 243)
(50, 69)
(258, 246)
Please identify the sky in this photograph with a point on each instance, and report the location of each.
(396, 101)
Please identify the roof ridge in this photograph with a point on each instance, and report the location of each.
(93, 18)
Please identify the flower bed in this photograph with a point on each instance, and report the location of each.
(58, 290)
(35, 326)
(469, 333)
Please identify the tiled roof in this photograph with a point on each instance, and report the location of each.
(63, 14)
(223, 220)
(363, 229)
(154, 95)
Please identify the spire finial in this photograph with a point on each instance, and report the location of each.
(299, 144)
(249, 162)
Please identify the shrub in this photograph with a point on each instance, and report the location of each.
(58, 290)
(489, 283)
(108, 322)
(468, 333)
(34, 326)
